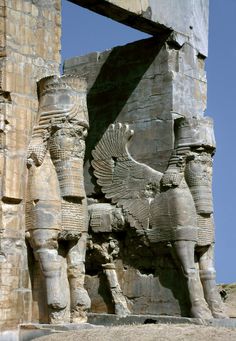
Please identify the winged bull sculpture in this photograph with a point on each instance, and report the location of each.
(174, 206)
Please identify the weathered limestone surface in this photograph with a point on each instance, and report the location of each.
(143, 84)
(147, 84)
(157, 87)
(171, 211)
(29, 50)
(188, 19)
(56, 206)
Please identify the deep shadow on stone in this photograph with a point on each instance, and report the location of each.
(118, 78)
(156, 259)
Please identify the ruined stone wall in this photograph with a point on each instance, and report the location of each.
(144, 84)
(29, 50)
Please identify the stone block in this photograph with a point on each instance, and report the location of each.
(144, 83)
(113, 320)
(140, 71)
(187, 19)
(13, 182)
(12, 219)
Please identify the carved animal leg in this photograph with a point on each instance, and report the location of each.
(207, 276)
(80, 301)
(121, 308)
(184, 251)
(44, 243)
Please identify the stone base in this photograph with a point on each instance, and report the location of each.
(114, 320)
(27, 332)
(9, 335)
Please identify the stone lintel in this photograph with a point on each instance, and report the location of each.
(187, 19)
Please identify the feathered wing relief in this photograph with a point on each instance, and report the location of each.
(128, 183)
(179, 214)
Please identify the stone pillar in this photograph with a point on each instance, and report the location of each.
(29, 50)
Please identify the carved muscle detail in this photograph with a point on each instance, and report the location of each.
(179, 213)
(128, 183)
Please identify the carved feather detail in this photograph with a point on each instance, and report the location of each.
(128, 183)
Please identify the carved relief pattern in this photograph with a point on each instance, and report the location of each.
(56, 206)
(174, 207)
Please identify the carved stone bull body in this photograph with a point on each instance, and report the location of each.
(57, 204)
(174, 207)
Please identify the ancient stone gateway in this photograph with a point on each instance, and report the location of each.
(72, 178)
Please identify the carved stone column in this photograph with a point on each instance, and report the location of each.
(29, 50)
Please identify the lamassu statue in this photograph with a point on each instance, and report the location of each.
(173, 208)
(57, 204)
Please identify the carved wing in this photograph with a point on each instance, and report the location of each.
(128, 183)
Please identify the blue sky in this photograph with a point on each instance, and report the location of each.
(84, 32)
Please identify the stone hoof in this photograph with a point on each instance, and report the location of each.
(220, 315)
(58, 316)
(200, 310)
(218, 310)
(79, 315)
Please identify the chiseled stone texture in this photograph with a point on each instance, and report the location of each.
(29, 50)
(56, 207)
(145, 292)
(143, 84)
(188, 19)
(170, 212)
